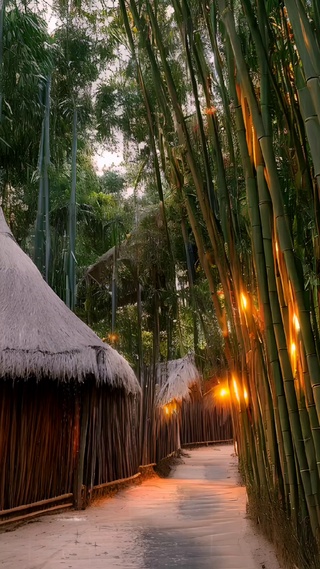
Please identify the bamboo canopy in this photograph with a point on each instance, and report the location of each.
(41, 337)
(176, 378)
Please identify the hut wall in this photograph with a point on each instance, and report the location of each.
(112, 436)
(167, 434)
(56, 437)
(202, 421)
(41, 428)
(160, 432)
(39, 435)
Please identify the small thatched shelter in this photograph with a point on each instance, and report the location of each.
(176, 379)
(141, 258)
(163, 398)
(202, 418)
(67, 400)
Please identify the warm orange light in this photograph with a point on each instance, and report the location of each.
(293, 350)
(296, 322)
(236, 392)
(277, 248)
(113, 338)
(220, 294)
(244, 301)
(166, 410)
(210, 111)
(245, 395)
(221, 390)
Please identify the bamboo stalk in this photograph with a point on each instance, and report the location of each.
(71, 297)
(78, 479)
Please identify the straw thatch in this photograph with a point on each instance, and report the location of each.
(176, 378)
(141, 247)
(40, 336)
(127, 255)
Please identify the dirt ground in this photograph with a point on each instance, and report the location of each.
(194, 519)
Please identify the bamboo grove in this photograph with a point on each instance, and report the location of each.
(239, 149)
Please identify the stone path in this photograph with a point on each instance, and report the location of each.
(195, 519)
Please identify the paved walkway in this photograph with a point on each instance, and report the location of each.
(195, 519)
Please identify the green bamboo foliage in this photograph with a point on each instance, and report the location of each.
(308, 48)
(276, 387)
(266, 96)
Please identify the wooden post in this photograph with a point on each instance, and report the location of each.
(78, 478)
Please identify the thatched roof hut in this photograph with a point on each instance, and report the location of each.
(40, 336)
(67, 400)
(174, 383)
(176, 378)
(140, 258)
(141, 247)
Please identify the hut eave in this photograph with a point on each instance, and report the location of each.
(181, 376)
(40, 336)
(105, 365)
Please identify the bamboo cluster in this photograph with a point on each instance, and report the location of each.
(245, 170)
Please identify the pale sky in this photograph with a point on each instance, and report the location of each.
(102, 159)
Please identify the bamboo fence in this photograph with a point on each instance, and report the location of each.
(203, 420)
(61, 443)
(165, 429)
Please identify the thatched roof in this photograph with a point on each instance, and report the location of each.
(141, 247)
(101, 271)
(176, 378)
(40, 336)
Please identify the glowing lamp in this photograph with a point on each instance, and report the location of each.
(236, 392)
(293, 350)
(224, 392)
(296, 322)
(244, 301)
(113, 338)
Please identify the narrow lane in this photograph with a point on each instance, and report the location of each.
(195, 519)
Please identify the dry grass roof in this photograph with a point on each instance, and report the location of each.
(40, 336)
(141, 247)
(176, 378)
